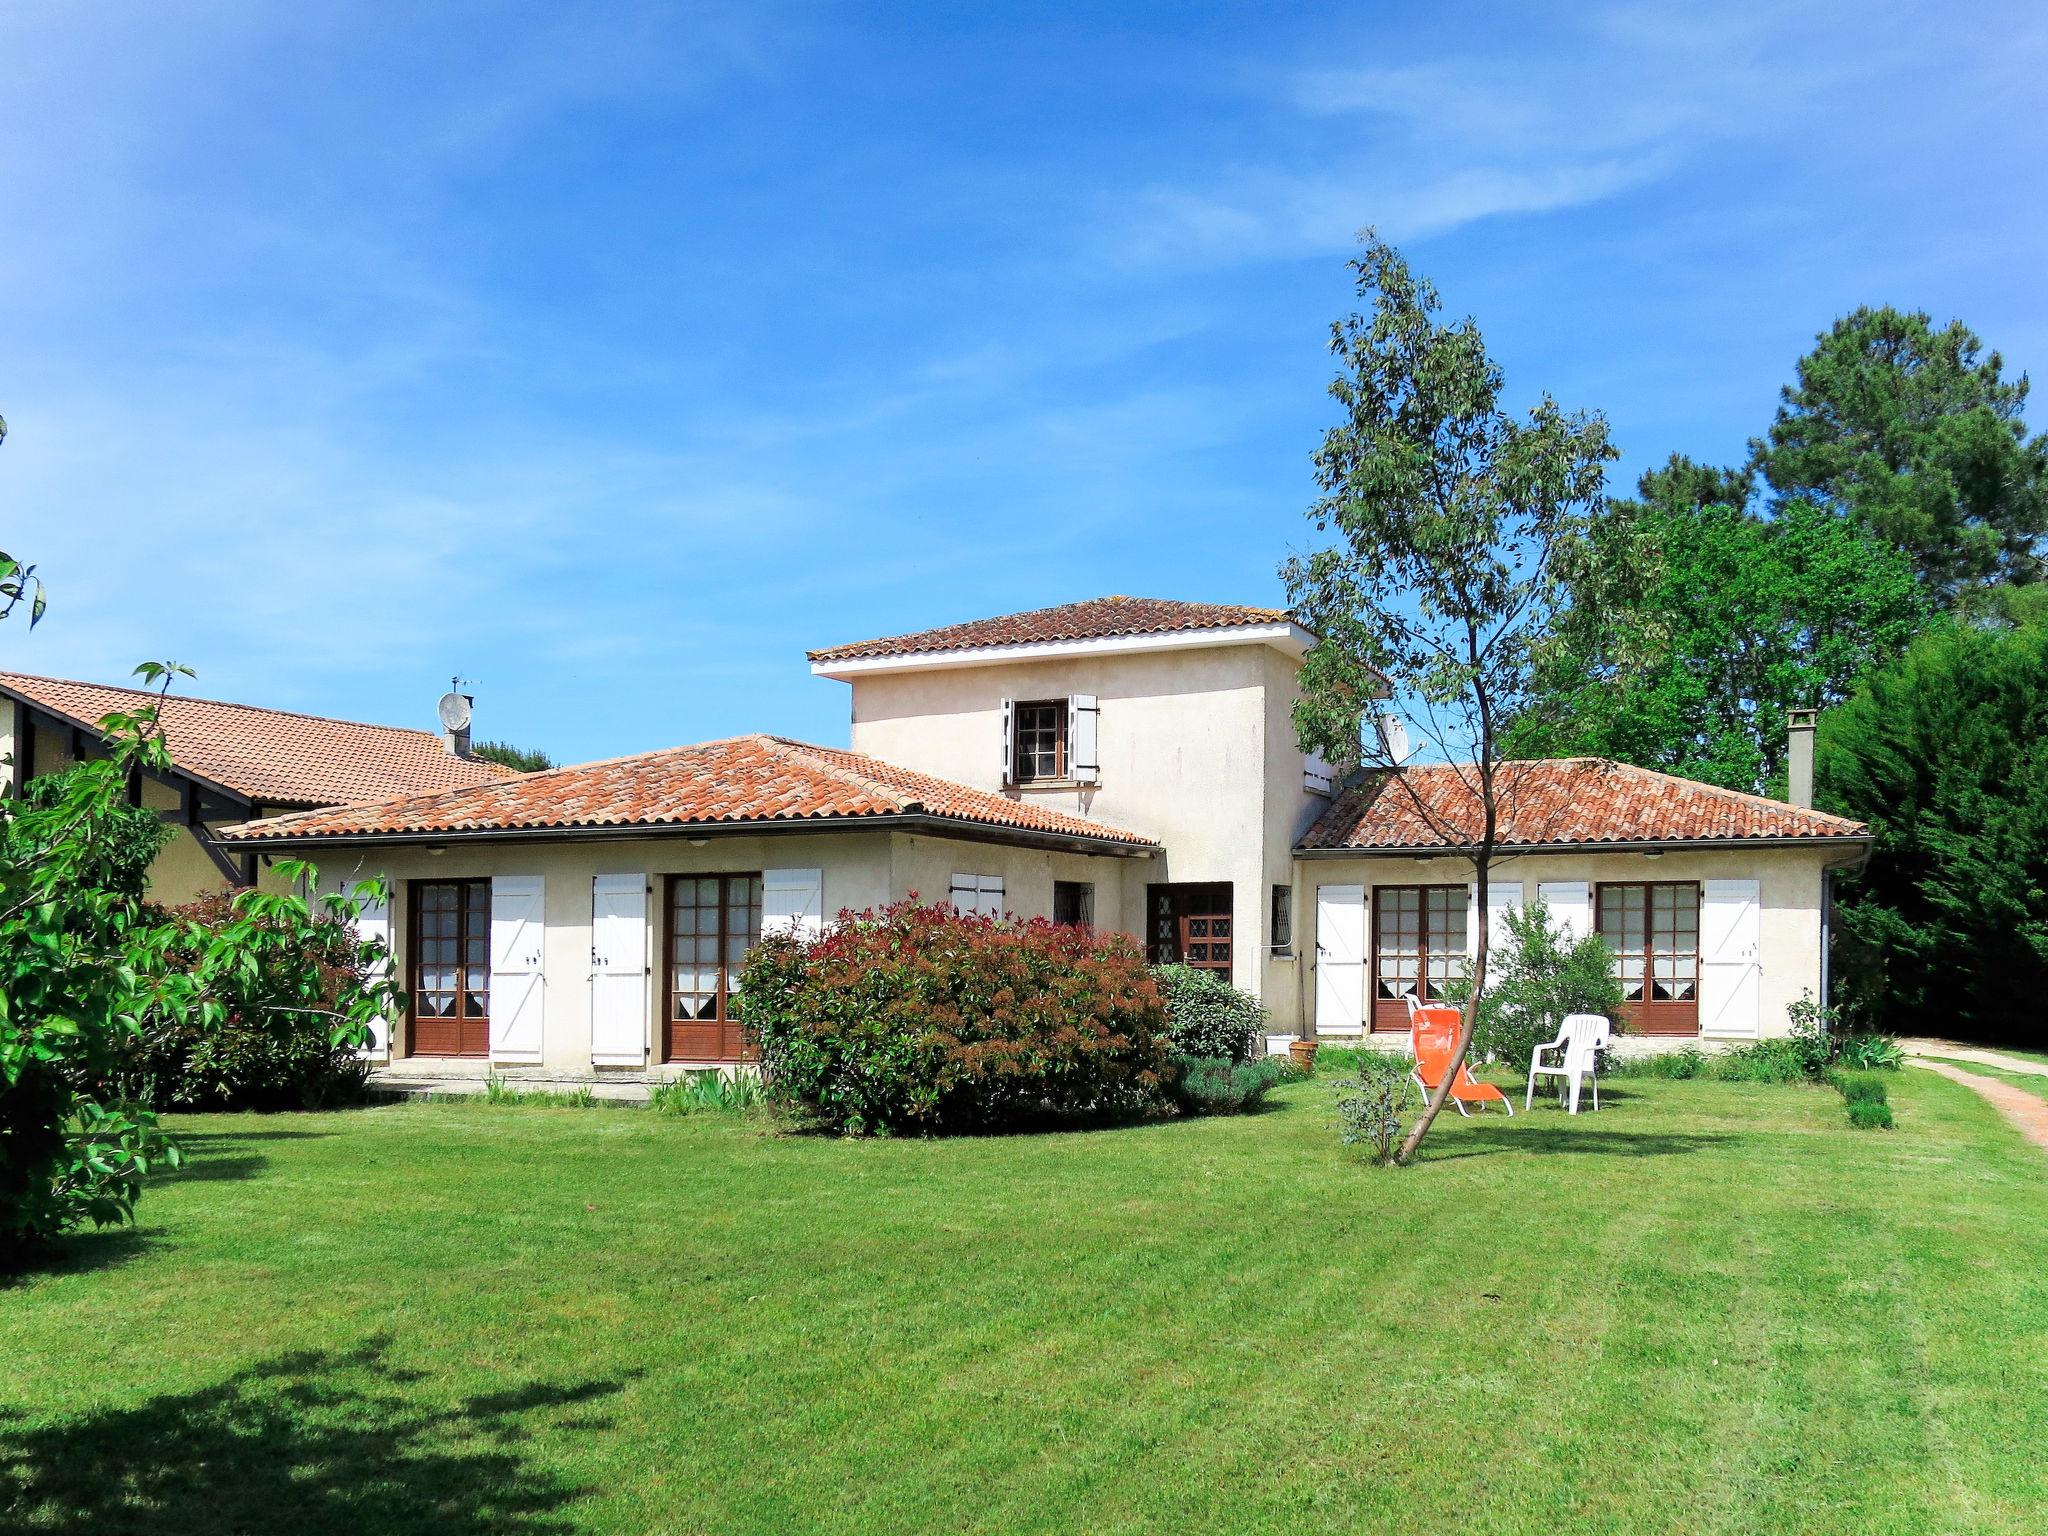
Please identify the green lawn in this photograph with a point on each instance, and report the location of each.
(1714, 1307)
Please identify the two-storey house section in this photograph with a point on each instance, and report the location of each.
(1172, 719)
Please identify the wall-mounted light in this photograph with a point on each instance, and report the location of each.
(699, 842)
(436, 851)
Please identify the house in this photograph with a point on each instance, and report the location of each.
(230, 763)
(1125, 762)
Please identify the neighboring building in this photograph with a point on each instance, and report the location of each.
(229, 763)
(1125, 762)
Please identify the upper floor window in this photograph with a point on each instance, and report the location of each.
(1041, 740)
(1050, 741)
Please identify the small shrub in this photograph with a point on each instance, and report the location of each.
(706, 1093)
(1870, 1114)
(1864, 1052)
(921, 1019)
(1860, 1087)
(499, 1091)
(1206, 1016)
(268, 1035)
(1686, 1062)
(1214, 1085)
(1369, 1105)
(1764, 1061)
(1536, 978)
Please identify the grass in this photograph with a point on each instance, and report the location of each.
(1711, 1308)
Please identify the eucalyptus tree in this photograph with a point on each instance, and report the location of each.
(1441, 512)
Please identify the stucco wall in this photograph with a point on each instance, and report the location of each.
(1189, 751)
(861, 869)
(1789, 888)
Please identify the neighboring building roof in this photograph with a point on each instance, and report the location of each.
(270, 756)
(1099, 618)
(737, 782)
(1564, 802)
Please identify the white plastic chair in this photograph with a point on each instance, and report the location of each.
(1580, 1041)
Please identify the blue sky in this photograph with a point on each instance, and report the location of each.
(612, 356)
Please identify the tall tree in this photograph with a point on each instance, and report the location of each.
(1945, 754)
(1919, 433)
(1694, 625)
(1446, 510)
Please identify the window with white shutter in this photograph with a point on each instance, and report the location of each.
(978, 895)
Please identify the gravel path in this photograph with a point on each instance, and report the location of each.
(1958, 1052)
(2026, 1110)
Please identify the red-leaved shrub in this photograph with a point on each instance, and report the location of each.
(918, 1019)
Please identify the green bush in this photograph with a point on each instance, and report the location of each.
(1534, 979)
(1866, 1052)
(1686, 1062)
(707, 1093)
(1870, 1114)
(1764, 1061)
(921, 1019)
(264, 1035)
(1369, 1105)
(1860, 1087)
(1206, 1016)
(1215, 1085)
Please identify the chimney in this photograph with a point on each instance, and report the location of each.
(456, 741)
(1799, 759)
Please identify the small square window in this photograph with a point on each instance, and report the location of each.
(1040, 750)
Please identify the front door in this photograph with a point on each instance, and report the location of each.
(451, 967)
(1340, 959)
(1191, 924)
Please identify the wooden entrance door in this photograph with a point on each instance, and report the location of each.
(451, 967)
(713, 920)
(1192, 924)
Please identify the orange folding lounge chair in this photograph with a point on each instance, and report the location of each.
(1436, 1037)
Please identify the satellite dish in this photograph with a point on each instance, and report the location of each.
(1394, 739)
(454, 710)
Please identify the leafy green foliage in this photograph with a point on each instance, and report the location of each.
(1686, 1062)
(695, 1093)
(1870, 1115)
(921, 1019)
(1222, 1085)
(1764, 1061)
(280, 1029)
(1945, 754)
(1694, 627)
(509, 1095)
(1206, 1015)
(1867, 1052)
(518, 759)
(1368, 1106)
(1542, 975)
(128, 840)
(1918, 434)
(1445, 510)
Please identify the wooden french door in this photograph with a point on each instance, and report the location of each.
(713, 920)
(1654, 930)
(1419, 944)
(1192, 924)
(451, 967)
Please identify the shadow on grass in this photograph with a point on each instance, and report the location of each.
(1527, 1133)
(77, 1253)
(318, 1441)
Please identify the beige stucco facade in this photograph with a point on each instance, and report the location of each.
(1195, 747)
(1791, 886)
(860, 869)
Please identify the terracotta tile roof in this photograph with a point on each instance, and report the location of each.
(1099, 618)
(743, 779)
(270, 755)
(1564, 802)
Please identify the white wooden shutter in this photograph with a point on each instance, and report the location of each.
(1571, 905)
(618, 970)
(1731, 931)
(1083, 766)
(793, 901)
(518, 931)
(1501, 899)
(978, 895)
(1009, 741)
(372, 923)
(1340, 960)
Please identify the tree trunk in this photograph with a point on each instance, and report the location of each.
(1481, 866)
